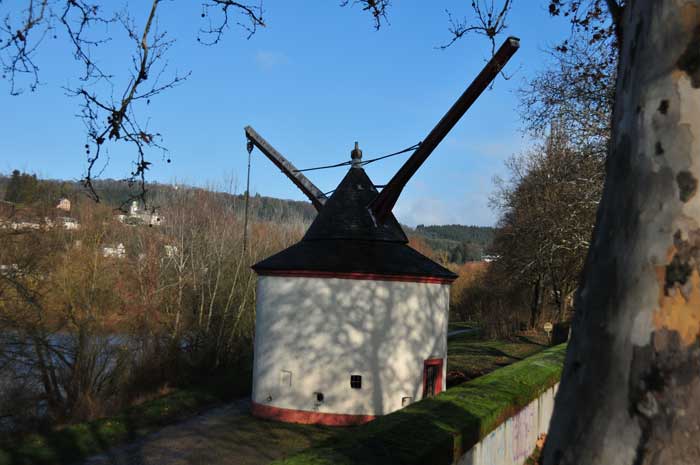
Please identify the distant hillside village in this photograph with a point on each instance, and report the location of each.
(33, 203)
(21, 219)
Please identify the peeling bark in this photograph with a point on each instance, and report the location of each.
(630, 391)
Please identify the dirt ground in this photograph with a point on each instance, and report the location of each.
(223, 435)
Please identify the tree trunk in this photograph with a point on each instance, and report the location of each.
(48, 377)
(536, 304)
(630, 391)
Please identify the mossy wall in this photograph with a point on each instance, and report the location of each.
(440, 430)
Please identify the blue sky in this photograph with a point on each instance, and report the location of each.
(316, 79)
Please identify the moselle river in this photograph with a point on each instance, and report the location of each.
(19, 373)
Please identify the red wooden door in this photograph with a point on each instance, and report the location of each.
(432, 377)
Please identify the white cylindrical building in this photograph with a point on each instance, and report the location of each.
(351, 322)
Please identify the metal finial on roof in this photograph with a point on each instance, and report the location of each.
(356, 156)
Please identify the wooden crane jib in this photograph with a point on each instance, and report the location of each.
(384, 202)
(314, 194)
(382, 205)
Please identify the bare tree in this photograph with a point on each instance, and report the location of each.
(548, 205)
(576, 91)
(547, 213)
(56, 300)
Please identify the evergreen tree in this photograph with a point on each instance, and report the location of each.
(22, 188)
(12, 192)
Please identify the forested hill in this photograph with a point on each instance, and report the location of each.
(458, 243)
(451, 243)
(482, 235)
(26, 189)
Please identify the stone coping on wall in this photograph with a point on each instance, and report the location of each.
(442, 429)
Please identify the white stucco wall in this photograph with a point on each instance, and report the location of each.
(324, 330)
(514, 440)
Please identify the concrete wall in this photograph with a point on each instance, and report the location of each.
(324, 330)
(514, 440)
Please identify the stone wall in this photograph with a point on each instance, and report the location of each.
(514, 440)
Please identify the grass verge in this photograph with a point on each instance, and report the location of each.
(440, 429)
(458, 325)
(71, 443)
(469, 356)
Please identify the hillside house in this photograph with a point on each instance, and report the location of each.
(118, 251)
(63, 204)
(138, 215)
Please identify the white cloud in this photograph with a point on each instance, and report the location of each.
(496, 149)
(268, 60)
(421, 211)
(471, 208)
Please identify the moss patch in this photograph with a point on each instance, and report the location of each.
(440, 429)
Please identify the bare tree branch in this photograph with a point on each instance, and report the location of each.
(16, 50)
(488, 21)
(110, 120)
(377, 8)
(600, 18)
(252, 13)
(77, 17)
(616, 9)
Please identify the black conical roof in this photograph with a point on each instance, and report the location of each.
(345, 214)
(344, 239)
(326, 257)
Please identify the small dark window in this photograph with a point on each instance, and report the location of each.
(356, 381)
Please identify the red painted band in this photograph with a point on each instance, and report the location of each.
(307, 418)
(356, 275)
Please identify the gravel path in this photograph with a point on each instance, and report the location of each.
(462, 331)
(223, 435)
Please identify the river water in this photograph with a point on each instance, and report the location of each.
(20, 377)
